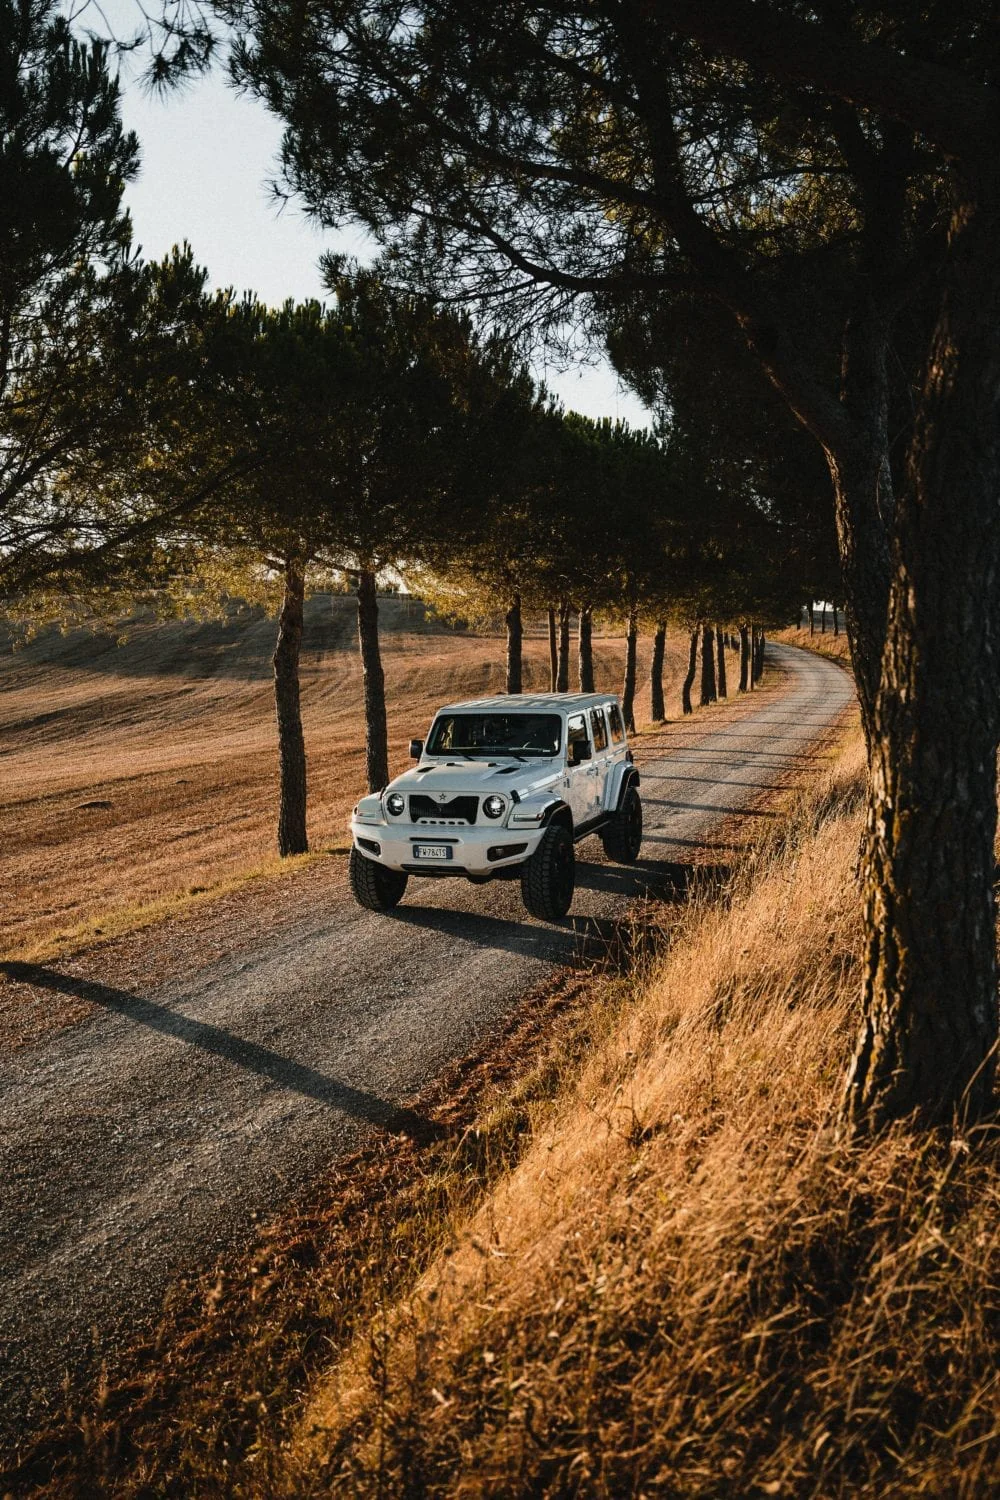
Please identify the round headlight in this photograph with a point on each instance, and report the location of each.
(395, 803)
(493, 807)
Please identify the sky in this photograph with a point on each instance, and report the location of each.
(208, 156)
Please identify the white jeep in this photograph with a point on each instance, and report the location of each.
(503, 788)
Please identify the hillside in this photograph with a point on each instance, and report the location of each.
(145, 768)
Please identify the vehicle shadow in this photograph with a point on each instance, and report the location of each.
(574, 940)
(297, 1077)
(661, 880)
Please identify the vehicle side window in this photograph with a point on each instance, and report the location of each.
(617, 725)
(576, 734)
(599, 729)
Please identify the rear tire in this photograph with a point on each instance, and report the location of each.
(548, 878)
(622, 836)
(374, 886)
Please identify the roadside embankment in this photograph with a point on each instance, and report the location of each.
(823, 642)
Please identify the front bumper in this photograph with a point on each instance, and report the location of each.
(475, 850)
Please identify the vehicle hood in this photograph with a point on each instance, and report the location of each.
(481, 777)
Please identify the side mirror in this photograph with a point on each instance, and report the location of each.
(416, 749)
(579, 751)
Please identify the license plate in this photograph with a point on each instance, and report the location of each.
(432, 851)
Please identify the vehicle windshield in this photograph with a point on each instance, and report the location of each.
(495, 734)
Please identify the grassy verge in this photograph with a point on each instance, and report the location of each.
(122, 920)
(836, 647)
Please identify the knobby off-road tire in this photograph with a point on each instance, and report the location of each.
(549, 876)
(622, 837)
(374, 886)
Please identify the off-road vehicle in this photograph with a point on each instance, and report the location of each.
(503, 788)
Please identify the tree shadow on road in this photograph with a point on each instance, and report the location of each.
(297, 1077)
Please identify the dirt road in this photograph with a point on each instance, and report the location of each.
(138, 1143)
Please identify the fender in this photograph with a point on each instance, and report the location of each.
(558, 812)
(629, 777)
(529, 807)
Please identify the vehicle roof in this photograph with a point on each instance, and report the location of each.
(533, 703)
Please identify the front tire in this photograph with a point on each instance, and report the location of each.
(622, 836)
(374, 886)
(548, 878)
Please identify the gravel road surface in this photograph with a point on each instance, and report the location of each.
(136, 1145)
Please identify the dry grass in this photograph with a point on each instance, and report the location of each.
(691, 1284)
(142, 772)
(824, 643)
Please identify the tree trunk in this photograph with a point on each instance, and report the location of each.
(553, 651)
(291, 742)
(757, 657)
(708, 692)
(657, 709)
(720, 652)
(812, 617)
(836, 621)
(822, 628)
(628, 686)
(515, 636)
(376, 733)
(585, 649)
(562, 678)
(691, 671)
(930, 984)
(864, 505)
(744, 658)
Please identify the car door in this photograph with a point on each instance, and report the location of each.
(617, 751)
(578, 788)
(603, 759)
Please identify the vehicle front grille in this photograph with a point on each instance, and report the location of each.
(455, 810)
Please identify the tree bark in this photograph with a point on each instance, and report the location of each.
(376, 732)
(812, 617)
(757, 656)
(864, 504)
(628, 686)
(822, 627)
(720, 652)
(708, 692)
(930, 983)
(291, 742)
(744, 658)
(553, 650)
(585, 649)
(657, 708)
(562, 678)
(515, 635)
(836, 621)
(691, 671)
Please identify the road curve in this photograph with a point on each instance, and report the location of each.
(139, 1143)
